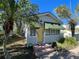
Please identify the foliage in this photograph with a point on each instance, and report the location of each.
(63, 12)
(26, 14)
(27, 11)
(21, 12)
(12, 12)
(9, 7)
(77, 8)
(68, 43)
(61, 40)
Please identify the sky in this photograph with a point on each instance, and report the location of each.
(50, 5)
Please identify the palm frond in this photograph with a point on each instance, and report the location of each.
(77, 8)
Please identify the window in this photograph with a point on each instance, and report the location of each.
(32, 32)
(58, 31)
(51, 32)
(48, 31)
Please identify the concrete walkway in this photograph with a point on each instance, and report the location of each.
(75, 50)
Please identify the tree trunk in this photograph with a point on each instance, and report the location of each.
(20, 26)
(73, 33)
(6, 54)
(72, 26)
(72, 29)
(8, 27)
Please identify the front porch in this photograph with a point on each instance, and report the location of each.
(48, 34)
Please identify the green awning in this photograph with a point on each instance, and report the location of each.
(48, 26)
(51, 26)
(34, 25)
(56, 27)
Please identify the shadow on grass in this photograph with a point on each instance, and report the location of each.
(11, 39)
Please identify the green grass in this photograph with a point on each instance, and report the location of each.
(67, 43)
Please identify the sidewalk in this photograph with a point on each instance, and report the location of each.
(75, 50)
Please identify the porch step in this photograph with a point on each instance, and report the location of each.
(41, 47)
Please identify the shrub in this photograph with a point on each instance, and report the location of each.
(54, 44)
(61, 40)
(68, 43)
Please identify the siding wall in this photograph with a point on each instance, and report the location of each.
(46, 39)
(51, 38)
(45, 19)
(30, 39)
(77, 36)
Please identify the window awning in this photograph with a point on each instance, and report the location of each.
(52, 26)
(48, 26)
(34, 25)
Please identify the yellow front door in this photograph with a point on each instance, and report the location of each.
(40, 35)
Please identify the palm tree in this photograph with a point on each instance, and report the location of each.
(64, 12)
(9, 7)
(22, 10)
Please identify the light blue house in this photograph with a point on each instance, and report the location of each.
(50, 32)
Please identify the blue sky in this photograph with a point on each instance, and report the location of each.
(50, 5)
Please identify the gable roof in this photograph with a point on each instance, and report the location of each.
(51, 15)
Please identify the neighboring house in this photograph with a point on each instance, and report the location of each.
(67, 32)
(47, 31)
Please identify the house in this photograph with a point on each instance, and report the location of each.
(47, 31)
(67, 32)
